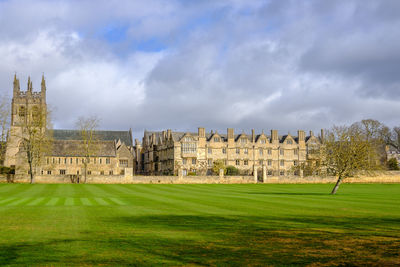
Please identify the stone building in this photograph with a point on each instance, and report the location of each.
(112, 154)
(167, 152)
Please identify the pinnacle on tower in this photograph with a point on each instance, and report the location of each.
(43, 83)
(29, 84)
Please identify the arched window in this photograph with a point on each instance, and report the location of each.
(22, 111)
(35, 114)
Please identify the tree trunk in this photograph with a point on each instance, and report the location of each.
(335, 189)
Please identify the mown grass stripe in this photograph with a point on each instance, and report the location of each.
(101, 201)
(69, 201)
(117, 201)
(53, 201)
(4, 201)
(86, 202)
(19, 201)
(36, 201)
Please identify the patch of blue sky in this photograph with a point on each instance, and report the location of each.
(150, 45)
(114, 33)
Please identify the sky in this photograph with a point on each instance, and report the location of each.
(183, 64)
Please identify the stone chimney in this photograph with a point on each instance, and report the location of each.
(253, 136)
(231, 134)
(302, 135)
(274, 136)
(201, 132)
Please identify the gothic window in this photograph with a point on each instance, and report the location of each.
(282, 163)
(295, 163)
(62, 172)
(269, 162)
(296, 151)
(89, 172)
(269, 151)
(101, 172)
(210, 162)
(65, 160)
(237, 162)
(49, 172)
(223, 150)
(246, 151)
(246, 162)
(282, 173)
(110, 172)
(237, 150)
(260, 151)
(22, 112)
(107, 161)
(35, 114)
(281, 151)
(70, 160)
(194, 161)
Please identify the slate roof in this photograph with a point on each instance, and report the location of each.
(73, 148)
(124, 136)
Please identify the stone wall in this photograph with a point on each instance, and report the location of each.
(385, 177)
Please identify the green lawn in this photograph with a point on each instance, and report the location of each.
(236, 225)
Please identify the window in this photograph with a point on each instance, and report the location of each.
(184, 161)
(62, 172)
(269, 162)
(237, 162)
(189, 147)
(282, 173)
(107, 160)
(77, 172)
(210, 162)
(260, 162)
(263, 141)
(88, 160)
(289, 142)
(184, 172)
(122, 172)
(296, 151)
(89, 172)
(237, 150)
(77, 161)
(94, 160)
(269, 151)
(111, 172)
(281, 151)
(48, 161)
(282, 163)
(243, 140)
(216, 139)
(188, 139)
(123, 163)
(54, 160)
(70, 160)
(246, 162)
(269, 172)
(209, 150)
(65, 161)
(295, 163)
(246, 151)
(22, 112)
(223, 150)
(101, 172)
(260, 151)
(225, 162)
(194, 161)
(59, 160)
(49, 172)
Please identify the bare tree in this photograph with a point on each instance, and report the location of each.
(89, 148)
(36, 138)
(347, 151)
(392, 137)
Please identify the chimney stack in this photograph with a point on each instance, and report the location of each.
(201, 132)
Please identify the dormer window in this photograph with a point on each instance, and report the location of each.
(289, 142)
(216, 139)
(188, 139)
(263, 141)
(243, 140)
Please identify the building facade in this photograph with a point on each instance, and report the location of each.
(112, 151)
(168, 152)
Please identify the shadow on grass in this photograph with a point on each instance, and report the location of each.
(286, 193)
(217, 240)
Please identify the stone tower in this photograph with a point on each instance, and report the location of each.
(24, 107)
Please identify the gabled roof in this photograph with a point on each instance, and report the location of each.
(124, 136)
(73, 148)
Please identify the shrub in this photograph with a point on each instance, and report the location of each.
(231, 170)
(218, 164)
(393, 165)
(191, 174)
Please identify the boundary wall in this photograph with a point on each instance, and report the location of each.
(384, 177)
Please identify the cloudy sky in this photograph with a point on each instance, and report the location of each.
(180, 64)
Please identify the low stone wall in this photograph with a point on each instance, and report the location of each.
(384, 177)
